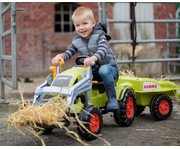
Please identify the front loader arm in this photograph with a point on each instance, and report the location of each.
(83, 85)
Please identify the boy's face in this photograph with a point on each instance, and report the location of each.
(84, 25)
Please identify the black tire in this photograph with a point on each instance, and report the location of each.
(161, 107)
(47, 129)
(139, 109)
(152, 103)
(125, 115)
(92, 117)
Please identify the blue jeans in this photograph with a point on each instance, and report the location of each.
(107, 73)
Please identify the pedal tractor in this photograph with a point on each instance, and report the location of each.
(84, 88)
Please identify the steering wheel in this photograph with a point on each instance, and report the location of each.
(80, 61)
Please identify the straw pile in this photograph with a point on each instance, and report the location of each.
(164, 77)
(32, 115)
(130, 73)
(52, 113)
(127, 73)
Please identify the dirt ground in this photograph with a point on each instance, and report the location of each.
(145, 131)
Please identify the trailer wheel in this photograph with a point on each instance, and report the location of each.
(125, 115)
(152, 103)
(92, 118)
(161, 107)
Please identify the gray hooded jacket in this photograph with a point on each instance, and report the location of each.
(96, 45)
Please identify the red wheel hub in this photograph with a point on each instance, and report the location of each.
(129, 107)
(163, 107)
(94, 123)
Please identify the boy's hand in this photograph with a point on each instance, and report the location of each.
(56, 59)
(88, 61)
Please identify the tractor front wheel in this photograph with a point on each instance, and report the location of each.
(91, 118)
(125, 115)
(161, 107)
(45, 129)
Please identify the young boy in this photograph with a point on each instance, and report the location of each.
(92, 41)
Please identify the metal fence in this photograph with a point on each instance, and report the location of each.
(172, 32)
(13, 57)
(102, 16)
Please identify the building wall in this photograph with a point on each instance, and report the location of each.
(161, 11)
(143, 11)
(121, 11)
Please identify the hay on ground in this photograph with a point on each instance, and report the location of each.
(51, 113)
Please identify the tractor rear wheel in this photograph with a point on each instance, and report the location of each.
(125, 115)
(161, 107)
(92, 118)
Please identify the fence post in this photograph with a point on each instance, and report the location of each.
(13, 57)
(1, 52)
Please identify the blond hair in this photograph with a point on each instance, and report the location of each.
(83, 10)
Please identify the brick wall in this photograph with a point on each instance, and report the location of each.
(161, 11)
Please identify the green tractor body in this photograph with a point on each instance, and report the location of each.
(145, 88)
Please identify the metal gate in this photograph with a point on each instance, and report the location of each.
(4, 9)
(102, 16)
